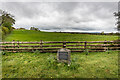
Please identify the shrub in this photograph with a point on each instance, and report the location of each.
(3, 34)
(111, 33)
(117, 33)
(7, 24)
(5, 30)
(36, 51)
(21, 28)
(11, 29)
(0, 34)
(33, 28)
(86, 51)
(102, 32)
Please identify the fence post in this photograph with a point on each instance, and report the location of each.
(85, 45)
(13, 44)
(4, 47)
(41, 43)
(105, 46)
(33, 50)
(64, 44)
(18, 43)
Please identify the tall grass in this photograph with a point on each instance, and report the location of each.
(44, 65)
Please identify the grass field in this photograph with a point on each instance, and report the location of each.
(27, 35)
(44, 65)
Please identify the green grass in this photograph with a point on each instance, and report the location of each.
(29, 35)
(43, 65)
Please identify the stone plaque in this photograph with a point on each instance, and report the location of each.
(63, 55)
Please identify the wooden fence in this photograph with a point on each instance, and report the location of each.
(53, 46)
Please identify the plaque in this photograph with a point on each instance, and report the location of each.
(63, 55)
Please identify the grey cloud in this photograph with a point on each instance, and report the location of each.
(85, 16)
(20, 9)
(67, 7)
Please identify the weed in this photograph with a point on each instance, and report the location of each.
(86, 51)
(36, 51)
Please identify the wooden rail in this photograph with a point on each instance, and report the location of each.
(53, 46)
(16, 42)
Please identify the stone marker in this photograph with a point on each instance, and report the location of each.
(63, 55)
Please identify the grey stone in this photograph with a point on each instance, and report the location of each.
(63, 55)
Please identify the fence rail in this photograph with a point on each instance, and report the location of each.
(16, 42)
(53, 46)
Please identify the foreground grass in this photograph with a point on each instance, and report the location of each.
(43, 65)
(29, 35)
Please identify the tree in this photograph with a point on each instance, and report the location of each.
(102, 32)
(7, 19)
(6, 22)
(33, 28)
(118, 17)
(0, 17)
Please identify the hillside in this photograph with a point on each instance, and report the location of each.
(29, 35)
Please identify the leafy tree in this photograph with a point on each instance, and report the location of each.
(102, 32)
(118, 17)
(6, 22)
(7, 19)
(33, 28)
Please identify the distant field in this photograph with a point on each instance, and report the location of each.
(27, 35)
(43, 65)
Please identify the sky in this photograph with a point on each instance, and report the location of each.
(64, 16)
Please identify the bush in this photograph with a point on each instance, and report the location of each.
(5, 30)
(21, 28)
(3, 34)
(7, 24)
(11, 29)
(111, 33)
(86, 51)
(36, 51)
(117, 33)
(102, 32)
(0, 31)
(0, 34)
(33, 28)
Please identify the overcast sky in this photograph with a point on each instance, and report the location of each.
(64, 16)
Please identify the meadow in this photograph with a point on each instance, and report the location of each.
(44, 65)
(29, 35)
